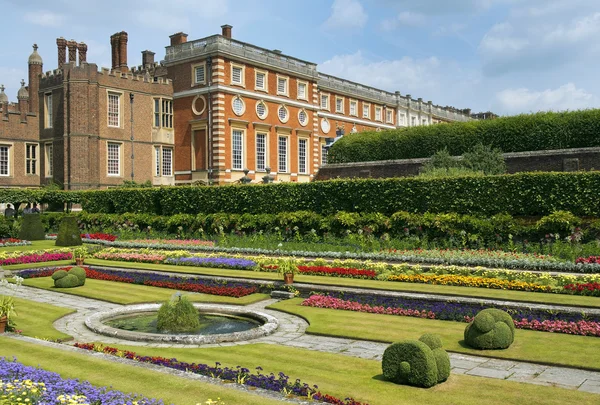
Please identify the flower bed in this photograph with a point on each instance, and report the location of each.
(588, 260)
(331, 271)
(280, 383)
(169, 242)
(192, 284)
(218, 262)
(524, 318)
(20, 384)
(90, 237)
(592, 289)
(13, 242)
(131, 257)
(36, 258)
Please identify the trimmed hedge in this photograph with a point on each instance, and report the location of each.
(490, 329)
(23, 195)
(69, 279)
(68, 232)
(526, 132)
(32, 228)
(524, 194)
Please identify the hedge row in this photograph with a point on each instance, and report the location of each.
(400, 224)
(524, 194)
(25, 195)
(541, 131)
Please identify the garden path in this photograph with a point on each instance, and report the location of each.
(291, 332)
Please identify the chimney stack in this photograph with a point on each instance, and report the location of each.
(226, 30)
(35, 70)
(62, 51)
(178, 38)
(118, 46)
(23, 97)
(72, 44)
(123, 52)
(82, 48)
(147, 58)
(114, 47)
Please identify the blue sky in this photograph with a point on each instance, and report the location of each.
(508, 56)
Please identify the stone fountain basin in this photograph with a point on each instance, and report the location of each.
(269, 325)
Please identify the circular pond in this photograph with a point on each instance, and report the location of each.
(219, 323)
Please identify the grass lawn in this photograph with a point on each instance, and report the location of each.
(344, 376)
(99, 372)
(35, 319)
(35, 245)
(524, 296)
(532, 346)
(123, 293)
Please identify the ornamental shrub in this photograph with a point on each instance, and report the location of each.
(490, 329)
(178, 315)
(68, 232)
(59, 274)
(79, 273)
(422, 363)
(68, 279)
(526, 132)
(559, 222)
(32, 228)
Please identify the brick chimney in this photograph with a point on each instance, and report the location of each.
(114, 47)
(35, 70)
(72, 45)
(61, 43)
(147, 58)
(82, 48)
(123, 51)
(226, 30)
(178, 38)
(23, 97)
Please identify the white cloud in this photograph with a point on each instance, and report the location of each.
(405, 18)
(44, 18)
(452, 29)
(346, 14)
(565, 97)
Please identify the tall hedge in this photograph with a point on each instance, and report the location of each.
(527, 132)
(520, 194)
(24, 195)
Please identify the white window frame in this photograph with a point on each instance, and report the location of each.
(242, 133)
(286, 91)
(368, 107)
(49, 158)
(265, 152)
(389, 116)
(413, 121)
(266, 109)
(32, 162)
(342, 99)
(287, 114)
(324, 152)
(48, 111)
(305, 84)
(242, 68)
(169, 172)
(7, 154)
(378, 113)
(305, 160)
(233, 99)
(265, 81)
(119, 159)
(119, 96)
(305, 123)
(424, 121)
(286, 168)
(325, 101)
(353, 103)
(402, 119)
(157, 161)
(156, 104)
(195, 81)
(166, 116)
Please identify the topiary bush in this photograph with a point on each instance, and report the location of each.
(69, 279)
(178, 315)
(32, 228)
(415, 362)
(68, 232)
(559, 222)
(490, 329)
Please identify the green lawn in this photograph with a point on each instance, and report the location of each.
(532, 346)
(344, 376)
(123, 293)
(126, 378)
(35, 245)
(35, 319)
(524, 296)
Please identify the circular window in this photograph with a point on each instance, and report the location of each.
(261, 110)
(283, 114)
(198, 105)
(325, 126)
(238, 105)
(302, 117)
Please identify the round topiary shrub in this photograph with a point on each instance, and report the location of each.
(178, 315)
(79, 273)
(410, 362)
(442, 360)
(32, 228)
(491, 329)
(59, 274)
(68, 281)
(68, 232)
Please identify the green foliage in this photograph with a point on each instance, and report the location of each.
(526, 194)
(135, 184)
(442, 360)
(178, 315)
(527, 132)
(287, 266)
(43, 195)
(79, 273)
(73, 278)
(58, 274)
(410, 362)
(443, 172)
(484, 158)
(6, 227)
(491, 329)
(441, 160)
(32, 228)
(559, 222)
(68, 232)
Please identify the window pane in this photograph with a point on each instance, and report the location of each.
(323, 155)
(200, 74)
(49, 160)
(302, 156)
(157, 161)
(237, 150)
(339, 105)
(282, 164)
(282, 112)
(302, 117)
(167, 163)
(236, 75)
(113, 110)
(301, 90)
(260, 80)
(282, 85)
(261, 152)
(4, 161)
(114, 158)
(261, 110)
(238, 105)
(324, 100)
